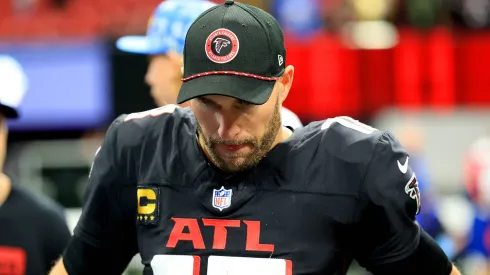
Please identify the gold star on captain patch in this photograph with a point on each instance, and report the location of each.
(152, 217)
(146, 217)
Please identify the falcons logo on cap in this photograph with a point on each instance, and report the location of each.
(219, 40)
(221, 43)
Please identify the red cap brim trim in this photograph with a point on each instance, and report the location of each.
(265, 78)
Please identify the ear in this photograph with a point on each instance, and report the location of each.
(176, 59)
(287, 81)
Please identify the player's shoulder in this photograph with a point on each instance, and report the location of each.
(346, 138)
(139, 142)
(135, 129)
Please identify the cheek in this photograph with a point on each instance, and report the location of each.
(3, 132)
(206, 119)
(265, 114)
(3, 142)
(160, 74)
(263, 117)
(254, 123)
(262, 127)
(165, 77)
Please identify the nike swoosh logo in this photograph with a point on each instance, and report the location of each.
(403, 168)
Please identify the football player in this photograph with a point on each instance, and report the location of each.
(223, 188)
(164, 43)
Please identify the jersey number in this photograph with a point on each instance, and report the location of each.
(349, 123)
(219, 265)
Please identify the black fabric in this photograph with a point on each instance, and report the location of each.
(390, 199)
(81, 257)
(427, 259)
(8, 111)
(33, 233)
(257, 91)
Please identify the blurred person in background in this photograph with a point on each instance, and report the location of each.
(33, 229)
(299, 17)
(164, 43)
(477, 182)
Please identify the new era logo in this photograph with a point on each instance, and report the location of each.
(280, 59)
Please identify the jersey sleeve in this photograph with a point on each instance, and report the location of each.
(56, 234)
(390, 200)
(105, 235)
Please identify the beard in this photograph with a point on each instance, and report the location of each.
(238, 162)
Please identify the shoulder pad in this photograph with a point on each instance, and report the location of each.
(135, 127)
(348, 139)
(136, 137)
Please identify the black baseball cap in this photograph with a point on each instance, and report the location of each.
(8, 111)
(233, 49)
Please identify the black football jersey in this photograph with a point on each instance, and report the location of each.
(33, 232)
(334, 191)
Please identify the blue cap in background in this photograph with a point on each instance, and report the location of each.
(167, 28)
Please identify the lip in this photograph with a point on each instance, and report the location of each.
(226, 150)
(234, 148)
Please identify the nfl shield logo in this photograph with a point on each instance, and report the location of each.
(222, 198)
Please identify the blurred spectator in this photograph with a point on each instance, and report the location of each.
(298, 17)
(164, 43)
(470, 13)
(477, 172)
(335, 13)
(33, 231)
(22, 5)
(421, 14)
(477, 182)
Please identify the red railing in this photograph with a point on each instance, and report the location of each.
(438, 69)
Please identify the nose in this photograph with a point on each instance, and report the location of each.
(228, 127)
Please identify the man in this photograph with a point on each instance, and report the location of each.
(164, 43)
(477, 182)
(33, 231)
(237, 193)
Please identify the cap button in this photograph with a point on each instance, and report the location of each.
(229, 2)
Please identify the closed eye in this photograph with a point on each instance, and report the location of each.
(209, 103)
(243, 104)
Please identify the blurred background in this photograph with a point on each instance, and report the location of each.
(418, 68)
